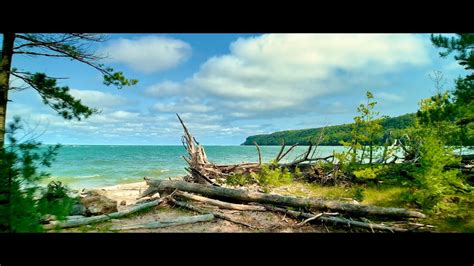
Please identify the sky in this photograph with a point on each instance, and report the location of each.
(230, 86)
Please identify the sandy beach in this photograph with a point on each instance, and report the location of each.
(267, 221)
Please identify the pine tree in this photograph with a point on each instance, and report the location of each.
(74, 46)
(461, 105)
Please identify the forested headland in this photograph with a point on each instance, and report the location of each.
(333, 135)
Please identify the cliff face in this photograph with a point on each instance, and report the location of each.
(332, 134)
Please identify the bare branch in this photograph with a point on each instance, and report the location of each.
(259, 154)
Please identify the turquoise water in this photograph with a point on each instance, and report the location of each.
(89, 166)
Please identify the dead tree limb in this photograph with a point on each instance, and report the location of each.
(101, 218)
(155, 186)
(259, 154)
(277, 158)
(216, 214)
(220, 204)
(337, 220)
(168, 222)
(288, 151)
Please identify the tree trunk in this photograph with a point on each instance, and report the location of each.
(101, 218)
(216, 214)
(336, 220)
(220, 204)
(167, 223)
(5, 66)
(156, 186)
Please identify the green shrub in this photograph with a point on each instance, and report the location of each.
(271, 175)
(21, 208)
(359, 194)
(371, 172)
(56, 200)
(238, 180)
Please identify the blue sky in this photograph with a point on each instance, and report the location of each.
(229, 86)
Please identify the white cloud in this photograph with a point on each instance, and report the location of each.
(286, 71)
(184, 105)
(93, 98)
(165, 88)
(388, 97)
(148, 54)
(124, 114)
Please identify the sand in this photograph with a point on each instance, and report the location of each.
(266, 221)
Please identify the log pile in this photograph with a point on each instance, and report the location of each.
(204, 184)
(201, 170)
(204, 191)
(311, 209)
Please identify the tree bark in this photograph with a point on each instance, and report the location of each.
(101, 218)
(338, 220)
(168, 223)
(218, 203)
(5, 66)
(216, 214)
(155, 186)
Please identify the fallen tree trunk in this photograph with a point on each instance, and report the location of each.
(167, 223)
(337, 220)
(155, 186)
(220, 204)
(77, 221)
(216, 214)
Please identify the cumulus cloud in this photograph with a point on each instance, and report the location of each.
(148, 54)
(165, 88)
(287, 71)
(94, 98)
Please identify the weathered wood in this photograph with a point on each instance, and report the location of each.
(101, 218)
(216, 214)
(168, 222)
(337, 220)
(259, 154)
(220, 204)
(155, 186)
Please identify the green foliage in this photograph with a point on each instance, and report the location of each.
(370, 173)
(359, 194)
(297, 173)
(431, 177)
(333, 135)
(461, 107)
(21, 205)
(56, 200)
(238, 180)
(271, 175)
(117, 78)
(366, 128)
(58, 98)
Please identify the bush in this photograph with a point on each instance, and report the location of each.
(370, 173)
(359, 194)
(238, 180)
(21, 209)
(56, 200)
(272, 175)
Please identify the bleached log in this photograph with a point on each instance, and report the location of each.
(337, 220)
(168, 222)
(101, 218)
(220, 204)
(216, 214)
(155, 186)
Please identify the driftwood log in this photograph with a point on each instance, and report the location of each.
(218, 203)
(73, 222)
(168, 222)
(155, 186)
(336, 220)
(216, 214)
(201, 170)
